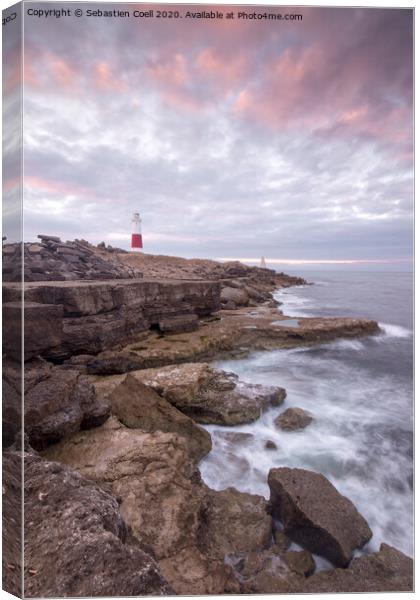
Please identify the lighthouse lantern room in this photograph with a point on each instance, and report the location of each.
(136, 236)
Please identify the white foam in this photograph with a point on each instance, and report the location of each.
(395, 331)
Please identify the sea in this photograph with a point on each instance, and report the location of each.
(360, 393)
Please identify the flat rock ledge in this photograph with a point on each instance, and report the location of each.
(316, 515)
(203, 393)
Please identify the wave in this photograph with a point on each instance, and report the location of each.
(395, 331)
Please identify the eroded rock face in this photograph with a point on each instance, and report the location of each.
(388, 570)
(316, 515)
(76, 542)
(234, 522)
(150, 472)
(209, 395)
(58, 402)
(293, 419)
(139, 407)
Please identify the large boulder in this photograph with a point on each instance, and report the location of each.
(234, 522)
(140, 407)
(293, 419)
(76, 542)
(232, 294)
(209, 395)
(58, 402)
(151, 473)
(388, 570)
(316, 515)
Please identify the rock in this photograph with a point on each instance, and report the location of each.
(11, 412)
(43, 328)
(49, 238)
(315, 515)
(234, 522)
(208, 395)
(140, 407)
(229, 305)
(270, 445)
(293, 418)
(388, 570)
(238, 296)
(300, 562)
(266, 572)
(12, 477)
(281, 540)
(193, 573)
(60, 403)
(76, 542)
(88, 317)
(179, 324)
(152, 475)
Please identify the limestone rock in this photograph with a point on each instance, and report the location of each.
(179, 324)
(193, 573)
(61, 402)
(76, 542)
(140, 407)
(316, 515)
(43, 328)
(266, 572)
(388, 570)
(231, 294)
(234, 522)
(209, 395)
(293, 419)
(152, 475)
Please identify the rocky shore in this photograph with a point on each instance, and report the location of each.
(118, 384)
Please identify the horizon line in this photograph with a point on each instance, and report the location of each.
(292, 261)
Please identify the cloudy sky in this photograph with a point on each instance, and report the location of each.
(232, 138)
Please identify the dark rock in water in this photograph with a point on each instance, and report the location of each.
(210, 395)
(236, 437)
(234, 522)
(140, 407)
(180, 324)
(60, 403)
(316, 515)
(388, 570)
(76, 542)
(270, 445)
(293, 419)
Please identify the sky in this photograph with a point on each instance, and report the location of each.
(232, 138)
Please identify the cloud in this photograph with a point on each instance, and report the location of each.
(232, 139)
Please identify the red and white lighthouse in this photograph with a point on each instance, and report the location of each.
(136, 237)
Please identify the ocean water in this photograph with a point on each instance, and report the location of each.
(360, 394)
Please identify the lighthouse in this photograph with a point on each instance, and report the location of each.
(136, 237)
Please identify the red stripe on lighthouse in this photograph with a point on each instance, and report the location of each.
(136, 240)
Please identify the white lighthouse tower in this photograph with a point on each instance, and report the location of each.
(136, 236)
